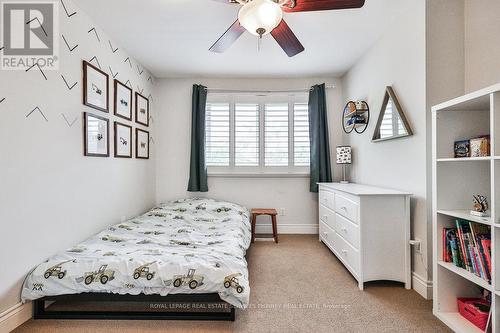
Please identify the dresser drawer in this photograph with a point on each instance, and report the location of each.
(328, 236)
(346, 208)
(348, 254)
(327, 199)
(348, 230)
(327, 216)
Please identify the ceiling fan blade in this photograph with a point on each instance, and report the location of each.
(316, 5)
(228, 38)
(287, 39)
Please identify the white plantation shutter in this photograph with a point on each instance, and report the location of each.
(217, 134)
(301, 143)
(387, 126)
(276, 134)
(246, 135)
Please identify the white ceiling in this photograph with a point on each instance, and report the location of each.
(172, 37)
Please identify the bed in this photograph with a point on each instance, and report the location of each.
(190, 246)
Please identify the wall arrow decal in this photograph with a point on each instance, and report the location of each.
(67, 44)
(150, 97)
(1, 48)
(113, 75)
(129, 62)
(95, 31)
(41, 26)
(151, 140)
(110, 45)
(67, 85)
(139, 70)
(97, 60)
(40, 111)
(67, 13)
(140, 90)
(150, 79)
(1, 100)
(67, 122)
(39, 69)
(128, 84)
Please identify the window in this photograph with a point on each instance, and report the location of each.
(257, 134)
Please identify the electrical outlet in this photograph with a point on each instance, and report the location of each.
(281, 212)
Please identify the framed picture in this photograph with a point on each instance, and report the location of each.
(123, 100)
(96, 135)
(141, 109)
(123, 140)
(141, 144)
(95, 87)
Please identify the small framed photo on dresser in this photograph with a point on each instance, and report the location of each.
(123, 100)
(141, 144)
(123, 140)
(96, 135)
(141, 109)
(95, 87)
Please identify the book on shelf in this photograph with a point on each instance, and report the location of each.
(468, 246)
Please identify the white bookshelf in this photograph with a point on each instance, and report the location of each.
(454, 182)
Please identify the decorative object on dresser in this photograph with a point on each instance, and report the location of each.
(95, 135)
(265, 211)
(344, 158)
(123, 101)
(356, 117)
(141, 144)
(123, 140)
(368, 229)
(464, 263)
(392, 122)
(95, 87)
(141, 109)
(480, 206)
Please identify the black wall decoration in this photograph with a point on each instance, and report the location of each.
(94, 58)
(96, 34)
(67, 85)
(67, 44)
(129, 62)
(66, 10)
(70, 124)
(150, 97)
(38, 69)
(1, 100)
(40, 111)
(140, 90)
(150, 79)
(113, 74)
(1, 48)
(40, 23)
(128, 83)
(112, 49)
(139, 70)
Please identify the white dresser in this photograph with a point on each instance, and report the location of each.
(368, 229)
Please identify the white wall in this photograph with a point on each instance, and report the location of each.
(397, 60)
(482, 44)
(51, 196)
(174, 141)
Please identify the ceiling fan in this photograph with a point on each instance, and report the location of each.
(263, 17)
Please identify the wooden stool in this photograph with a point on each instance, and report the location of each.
(262, 211)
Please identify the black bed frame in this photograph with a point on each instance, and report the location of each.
(40, 312)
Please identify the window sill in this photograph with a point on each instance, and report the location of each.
(259, 174)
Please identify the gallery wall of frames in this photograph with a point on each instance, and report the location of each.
(56, 192)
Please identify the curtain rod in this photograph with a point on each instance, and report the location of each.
(224, 90)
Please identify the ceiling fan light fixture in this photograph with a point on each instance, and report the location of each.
(260, 17)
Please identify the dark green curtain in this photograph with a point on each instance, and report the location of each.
(198, 170)
(321, 170)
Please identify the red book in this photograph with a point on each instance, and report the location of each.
(486, 243)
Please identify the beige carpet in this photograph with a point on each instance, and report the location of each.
(297, 286)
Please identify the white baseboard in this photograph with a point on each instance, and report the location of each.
(15, 316)
(291, 229)
(422, 286)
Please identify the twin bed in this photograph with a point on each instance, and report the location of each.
(191, 247)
